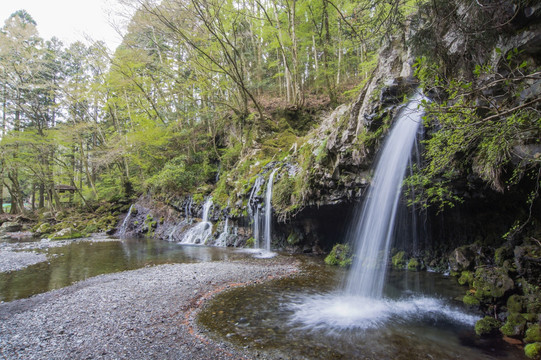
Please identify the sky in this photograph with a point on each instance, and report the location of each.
(70, 20)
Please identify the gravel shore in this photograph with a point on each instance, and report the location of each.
(142, 314)
(12, 261)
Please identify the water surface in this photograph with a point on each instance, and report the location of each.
(82, 260)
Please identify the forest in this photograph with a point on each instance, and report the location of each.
(263, 124)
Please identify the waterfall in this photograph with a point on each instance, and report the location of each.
(222, 239)
(373, 228)
(253, 209)
(123, 227)
(268, 212)
(200, 233)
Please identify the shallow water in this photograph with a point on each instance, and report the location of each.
(306, 318)
(82, 260)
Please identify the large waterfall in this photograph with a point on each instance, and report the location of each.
(373, 228)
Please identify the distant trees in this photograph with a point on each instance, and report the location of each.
(190, 78)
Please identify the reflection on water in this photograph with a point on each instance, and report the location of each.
(82, 260)
(305, 318)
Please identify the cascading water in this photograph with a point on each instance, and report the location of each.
(200, 233)
(123, 227)
(253, 209)
(373, 229)
(222, 239)
(268, 212)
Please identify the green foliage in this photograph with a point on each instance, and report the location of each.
(414, 265)
(470, 300)
(340, 255)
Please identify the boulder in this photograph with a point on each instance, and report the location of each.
(491, 283)
(67, 233)
(10, 227)
(463, 258)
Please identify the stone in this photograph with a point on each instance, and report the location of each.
(463, 258)
(399, 260)
(514, 325)
(491, 283)
(533, 334)
(10, 227)
(487, 326)
(67, 233)
(533, 351)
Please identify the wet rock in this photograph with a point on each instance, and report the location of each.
(67, 233)
(414, 265)
(515, 304)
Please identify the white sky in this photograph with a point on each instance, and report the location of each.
(70, 20)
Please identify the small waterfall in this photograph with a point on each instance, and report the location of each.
(268, 212)
(374, 225)
(200, 233)
(187, 219)
(222, 239)
(253, 209)
(123, 227)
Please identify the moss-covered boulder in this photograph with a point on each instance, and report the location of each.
(487, 326)
(44, 228)
(67, 233)
(515, 304)
(340, 255)
(414, 265)
(502, 254)
(491, 283)
(463, 258)
(466, 278)
(399, 260)
(527, 262)
(10, 226)
(533, 334)
(533, 351)
(514, 325)
(470, 300)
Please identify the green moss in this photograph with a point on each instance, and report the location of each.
(487, 326)
(293, 238)
(491, 283)
(340, 255)
(533, 351)
(501, 254)
(470, 300)
(515, 304)
(533, 334)
(398, 260)
(466, 277)
(514, 325)
(250, 242)
(414, 265)
(74, 235)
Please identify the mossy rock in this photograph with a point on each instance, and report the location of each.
(463, 258)
(514, 325)
(466, 278)
(502, 254)
(470, 300)
(533, 351)
(399, 260)
(250, 242)
(487, 326)
(294, 238)
(515, 304)
(66, 234)
(44, 228)
(340, 255)
(533, 334)
(414, 265)
(491, 283)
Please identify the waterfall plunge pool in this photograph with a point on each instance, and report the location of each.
(307, 317)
